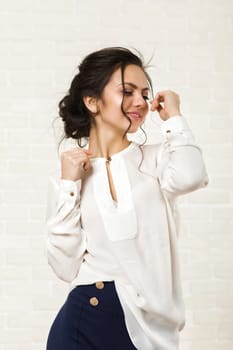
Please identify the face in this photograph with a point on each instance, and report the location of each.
(135, 103)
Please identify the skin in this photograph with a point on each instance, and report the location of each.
(109, 123)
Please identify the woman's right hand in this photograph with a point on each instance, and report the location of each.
(72, 162)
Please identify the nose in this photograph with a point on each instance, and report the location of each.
(139, 101)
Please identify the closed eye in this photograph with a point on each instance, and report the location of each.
(127, 93)
(130, 93)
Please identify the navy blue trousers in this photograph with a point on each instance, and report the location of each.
(92, 318)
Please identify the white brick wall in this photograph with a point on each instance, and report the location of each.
(41, 43)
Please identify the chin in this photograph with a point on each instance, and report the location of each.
(133, 130)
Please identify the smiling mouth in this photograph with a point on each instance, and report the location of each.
(134, 115)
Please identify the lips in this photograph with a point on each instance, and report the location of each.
(134, 115)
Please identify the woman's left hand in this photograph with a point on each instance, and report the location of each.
(170, 104)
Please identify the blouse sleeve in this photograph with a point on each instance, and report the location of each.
(180, 165)
(66, 242)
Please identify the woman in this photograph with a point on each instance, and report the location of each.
(110, 214)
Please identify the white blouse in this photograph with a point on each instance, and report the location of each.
(134, 241)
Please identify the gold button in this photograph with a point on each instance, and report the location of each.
(94, 301)
(99, 285)
(72, 193)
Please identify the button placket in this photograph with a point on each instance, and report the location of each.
(94, 301)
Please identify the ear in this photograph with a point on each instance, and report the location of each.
(91, 103)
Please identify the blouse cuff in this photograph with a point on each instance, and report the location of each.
(176, 124)
(176, 132)
(70, 189)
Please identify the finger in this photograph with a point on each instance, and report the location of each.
(79, 153)
(153, 107)
(154, 104)
(78, 149)
(162, 93)
(159, 108)
(87, 165)
(159, 97)
(87, 162)
(87, 151)
(80, 158)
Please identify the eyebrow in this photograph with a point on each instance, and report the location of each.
(135, 86)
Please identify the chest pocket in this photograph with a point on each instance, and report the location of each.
(111, 183)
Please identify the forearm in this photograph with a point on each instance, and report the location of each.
(180, 165)
(66, 243)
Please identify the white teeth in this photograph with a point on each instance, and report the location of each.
(135, 115)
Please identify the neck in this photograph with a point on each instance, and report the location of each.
(105, 145)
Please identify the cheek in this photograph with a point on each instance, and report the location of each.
(111, 101)
(145, 113)
(145, 109)
(117, 101)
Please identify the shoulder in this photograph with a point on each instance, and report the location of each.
(147, 157)
(149, 149)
